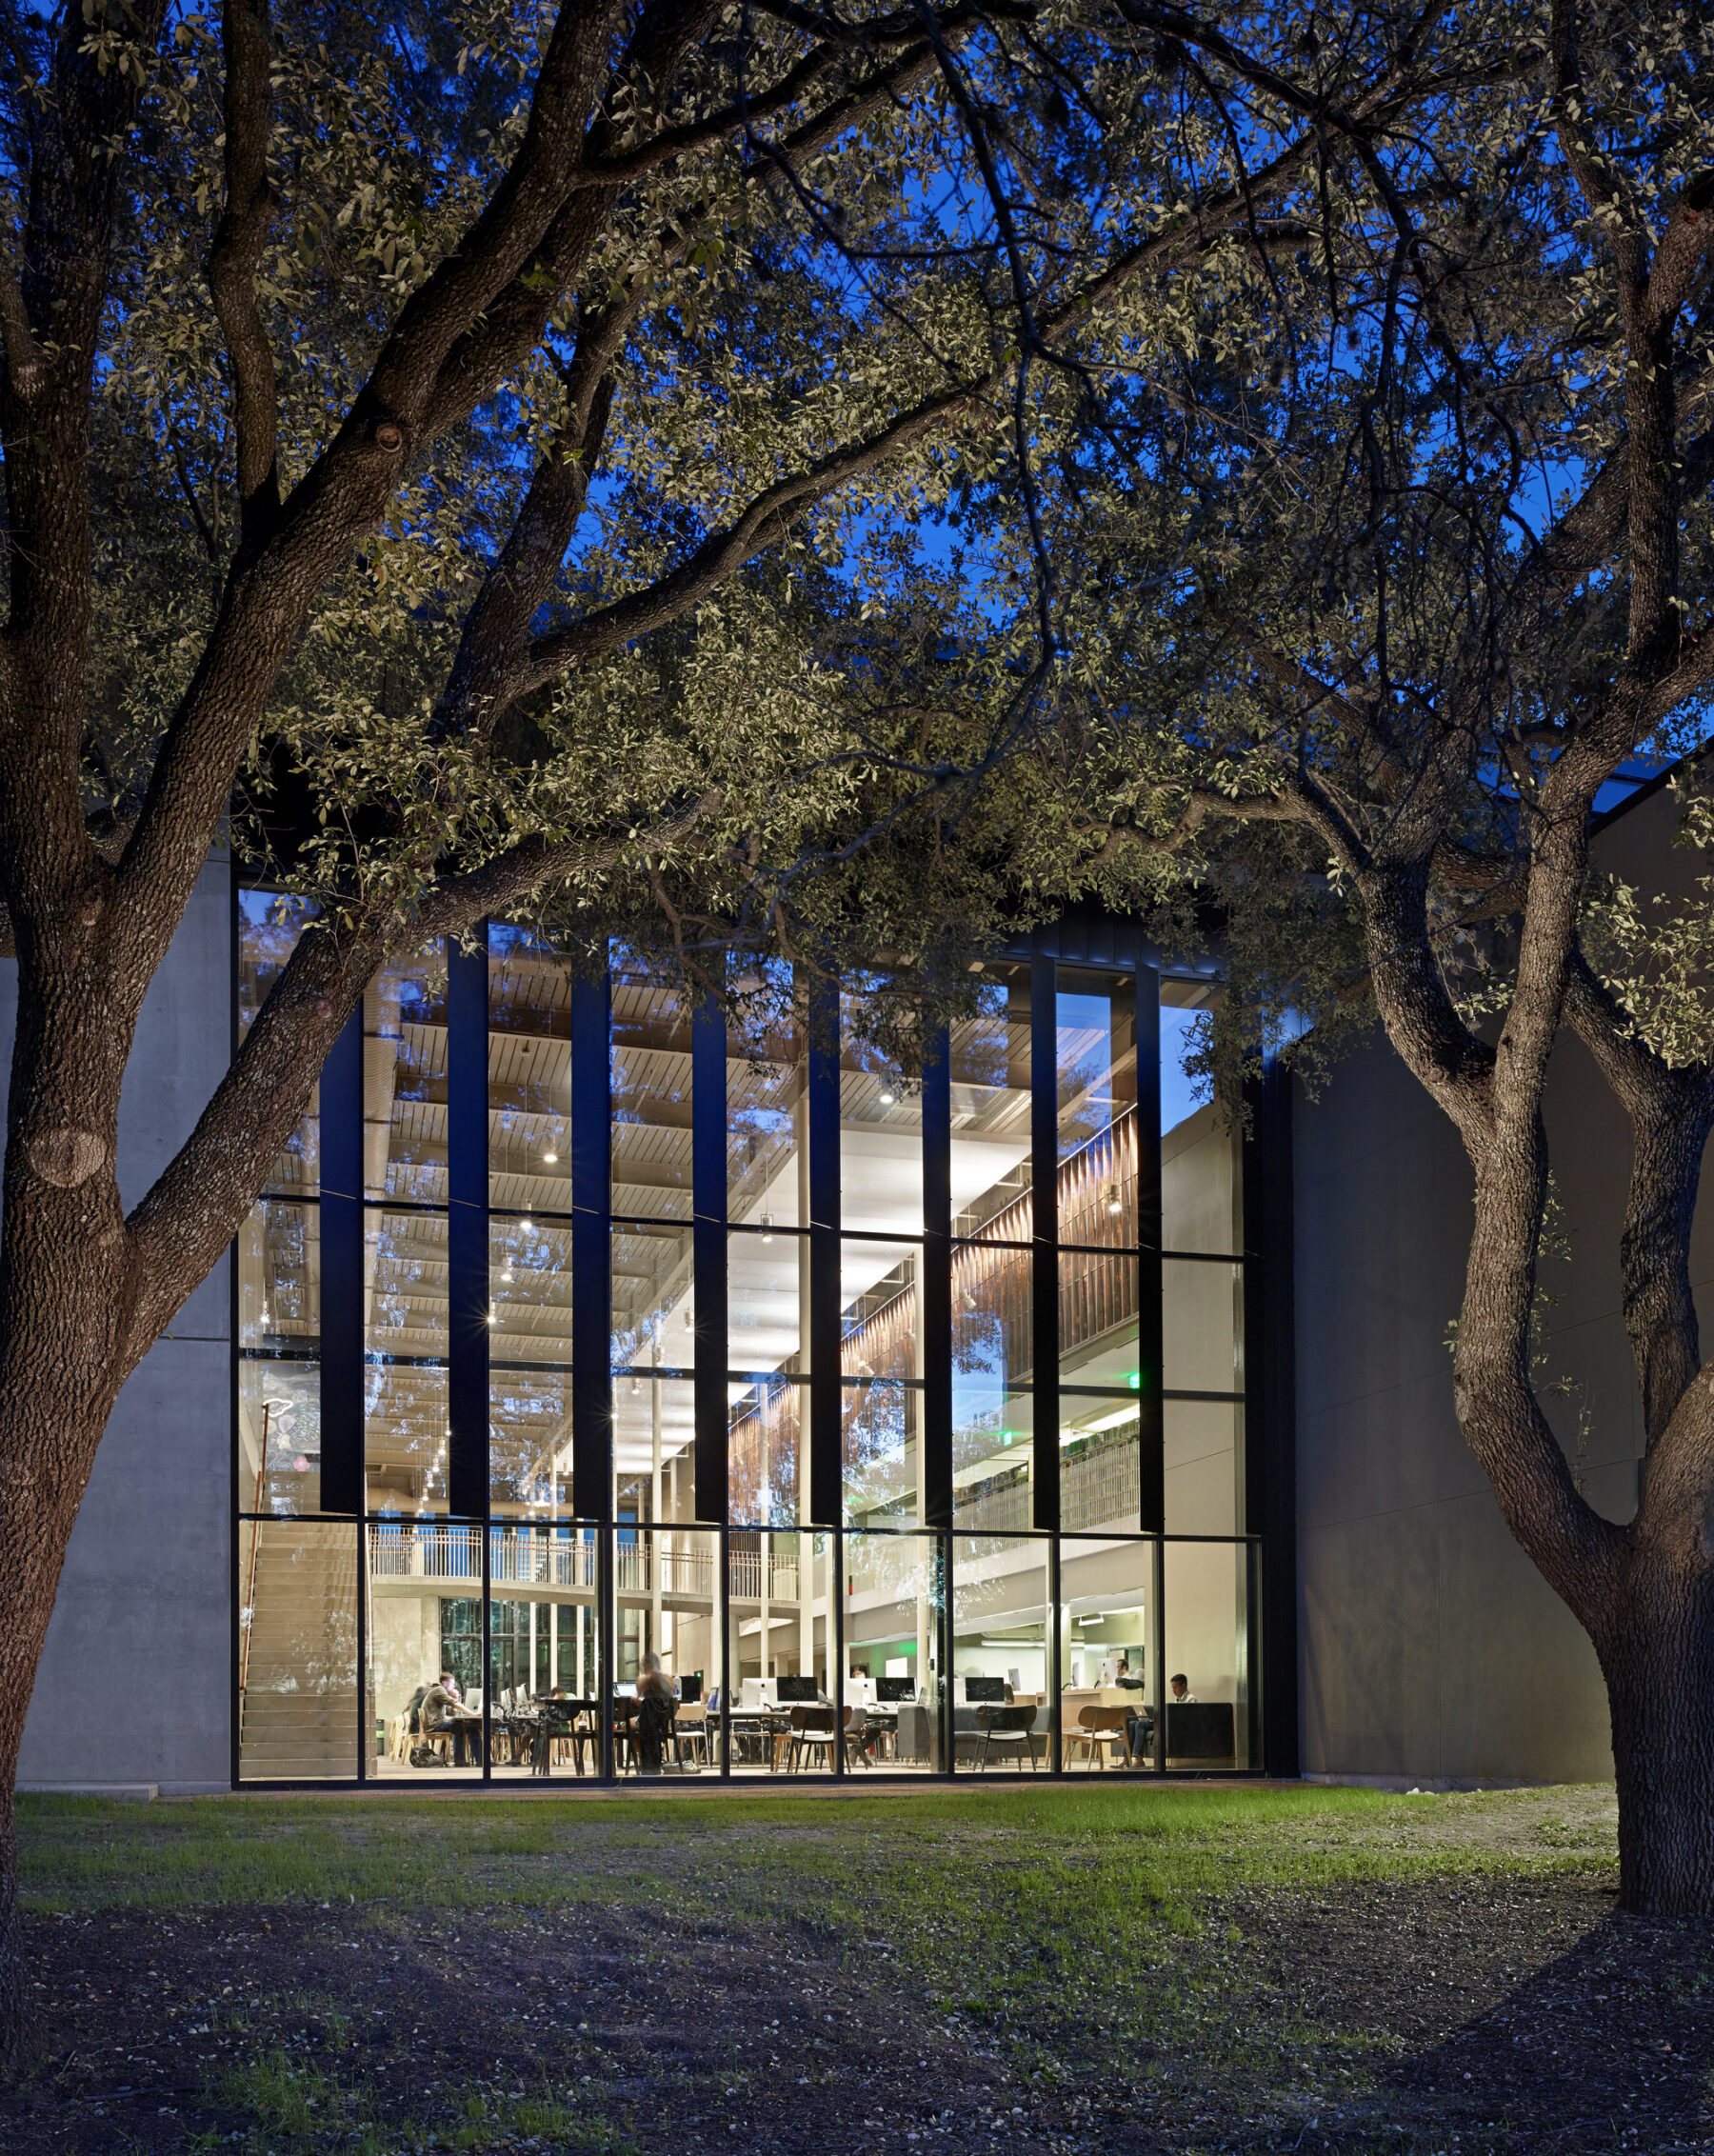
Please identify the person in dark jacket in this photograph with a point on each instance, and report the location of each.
(656, 1705)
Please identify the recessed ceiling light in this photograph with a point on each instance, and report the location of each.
(551, 1159)
(887, 1096)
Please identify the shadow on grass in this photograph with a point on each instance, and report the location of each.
(1608, 2046)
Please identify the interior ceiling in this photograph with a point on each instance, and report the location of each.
(530, 1183)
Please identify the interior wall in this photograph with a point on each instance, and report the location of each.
(1429, 1646)
(147, 1583)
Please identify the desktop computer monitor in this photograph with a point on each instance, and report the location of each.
(889, 1690)
(691, 1688)
(984, 1692)
(797, 1692)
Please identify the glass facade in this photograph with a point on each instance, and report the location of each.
(621, 1390)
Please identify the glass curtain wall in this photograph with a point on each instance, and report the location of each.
(702, 1393)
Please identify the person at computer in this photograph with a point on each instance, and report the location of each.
(1182, 1694)
(654, 1714)
(444, 1713)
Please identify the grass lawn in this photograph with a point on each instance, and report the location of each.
(1094, 1968)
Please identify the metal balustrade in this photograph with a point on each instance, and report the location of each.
(557, 1558)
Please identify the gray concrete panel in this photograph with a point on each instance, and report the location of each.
(1367, 1687)
(134, 1682)
(1431, 1649)
(1522, 1690)
(134, 1685)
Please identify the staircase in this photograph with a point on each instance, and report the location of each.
(298, 1707)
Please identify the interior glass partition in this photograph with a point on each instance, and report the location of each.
(947, 1529)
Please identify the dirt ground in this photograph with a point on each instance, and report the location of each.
(1488, 2014)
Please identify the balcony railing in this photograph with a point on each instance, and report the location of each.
(427, 1549)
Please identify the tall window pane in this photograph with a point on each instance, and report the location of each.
(1209, 1630)
(989, 1080)
(894, 1612)
(279, 1264)
(650, 1079)
(783, 1715)
(1095, 1076)
(425, 1624)
(768, 1456)
(1001, 1703)
(993, 1429)
(529, 1076)
(1205, 1467)
(880, 1133)
(1201, 1161)
(279, 1375)
(1098, 1317)
(1099, 1461)
(1204, 1321)
(767, 1155)
(268, 929)
(297, 1650)
(768, 1300)
(666, 1589)
(1107, 1713)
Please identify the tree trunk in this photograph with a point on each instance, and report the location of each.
(46, 1458)
(1658, 1659)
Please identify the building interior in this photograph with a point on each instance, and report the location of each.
(869, 1643)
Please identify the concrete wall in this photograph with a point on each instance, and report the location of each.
(134, 1685)
(1430, 1649)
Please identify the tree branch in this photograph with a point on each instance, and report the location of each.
(1672, 1114)
(236, 254)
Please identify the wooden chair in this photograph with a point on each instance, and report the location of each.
(1097, 1729)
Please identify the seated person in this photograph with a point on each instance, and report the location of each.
(655, 1704)
(1182, 1694)
(1139, 1737)
(444, 1708)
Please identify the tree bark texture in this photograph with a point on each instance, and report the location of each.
(1654, 1633)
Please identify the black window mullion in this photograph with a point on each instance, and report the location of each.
(1044, 1179)
(1270, 1485)
(592, 1263)
(1157, 1659)
(708, 1253)
(728, 1662)
(468, 1289)
(935, 1432)
(826, 1490)
(366, 1732)
(836, 1648)
(1151, 1347)
(341, 1342)
(1056, 1681)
